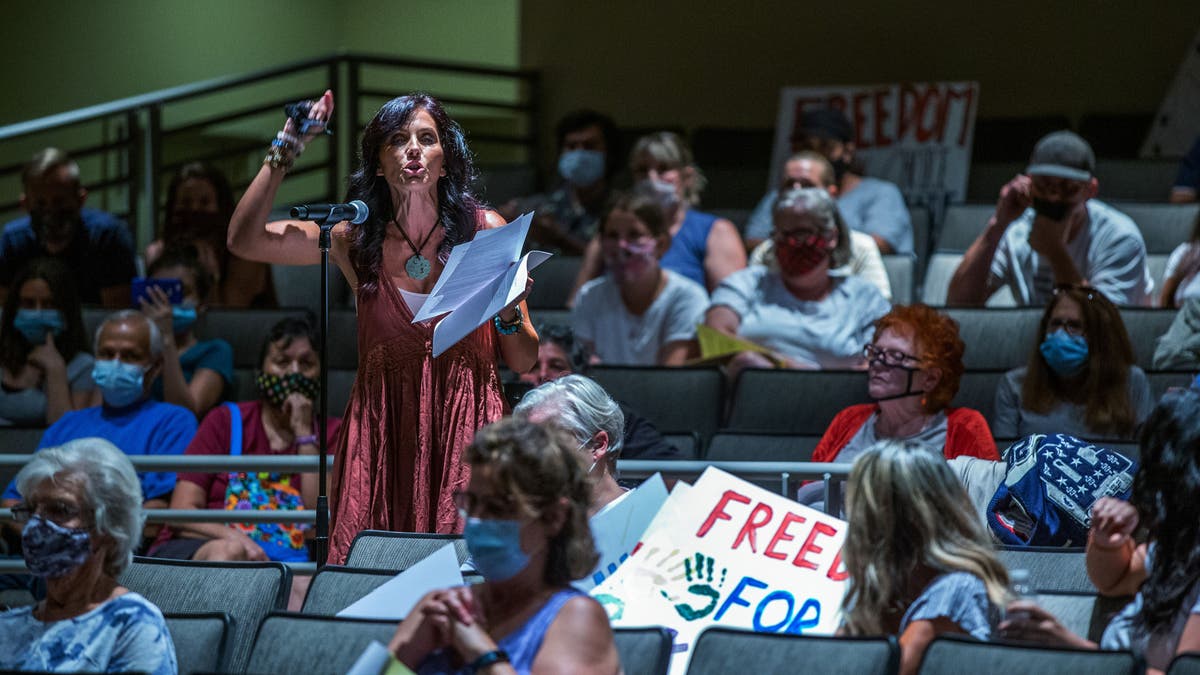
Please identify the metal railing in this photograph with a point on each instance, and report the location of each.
(137, 142)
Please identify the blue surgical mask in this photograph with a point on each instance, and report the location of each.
(183, 317)
(495, 547)
(52, 550)
(122, 384)
(581, 167)
(35, 323)
(1066, 354)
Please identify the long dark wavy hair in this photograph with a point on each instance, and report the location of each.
(14, 348)
(458, 209)
(1165, 491)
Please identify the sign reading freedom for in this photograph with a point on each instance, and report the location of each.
(729, 553)
(916, 135)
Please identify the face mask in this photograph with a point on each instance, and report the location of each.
(276, 388)
(841, 167)
(630, 260)
(122, 384)
(798, 257)
(1050, 209)
(1067, 355)
(52, 550)
(33, 324)
(183, 317)
(581, 167)
(495, 547)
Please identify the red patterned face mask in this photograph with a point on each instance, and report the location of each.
(798, 257)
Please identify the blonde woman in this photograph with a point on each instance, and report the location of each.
(920, 563)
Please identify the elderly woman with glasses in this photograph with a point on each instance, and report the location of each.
(914, 366)
(82, 514)
(1080, 379)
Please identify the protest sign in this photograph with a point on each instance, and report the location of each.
(917, 135)
(618, 528)
(726, 552)
(394, 599)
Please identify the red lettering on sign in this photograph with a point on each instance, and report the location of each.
(782, 535)
(882, 97)
(837, 571)
(718, 512)
(859, 119)
(810, 545)
(760, 516)
(967, 93)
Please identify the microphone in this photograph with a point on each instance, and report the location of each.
(356, 212)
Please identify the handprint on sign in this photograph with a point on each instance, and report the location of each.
(698, 575)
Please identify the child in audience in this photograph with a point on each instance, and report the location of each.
(919, 561)
(1080, 379)
(638, 314)
(1180, 280)
(1164, 618)
(199, 207)
(43, 347)
(196, 373)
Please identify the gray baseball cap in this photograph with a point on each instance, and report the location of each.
(1063, 154)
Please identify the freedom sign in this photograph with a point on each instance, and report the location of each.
(729, 553)
(917, 135)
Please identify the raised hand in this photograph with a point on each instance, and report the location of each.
(45, 357)
(1015, 197)
(157, 307)
(321, 111)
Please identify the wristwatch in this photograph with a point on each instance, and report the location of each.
(489, 658)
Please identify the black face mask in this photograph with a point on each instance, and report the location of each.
(1050, 209)
(841, 167)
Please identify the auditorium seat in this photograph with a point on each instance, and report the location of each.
(334, 588)
(498, 183)
(674, 399)
(951, 654)
(300, 286)
(922, 226)
(201, 641)
(1051, 570)
(1185, 664)
(246, 591)
(729, 446)
(961, 224)
(397, 551)
(935, 282)
(16, 441)
(644, 651)
(1145, 326)
(1163, 226)
(243, 329)
(1136, 180)
(553, 281)
(800, 402)
(1073, 610)
(315, 645)
(996, 338)
(724, 650)
(900, 275)
(977, 390)
(1162, 380)
(689, 444)
(550, 317)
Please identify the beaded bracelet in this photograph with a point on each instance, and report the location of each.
(305, 440)
(508, 327)
(279, 158)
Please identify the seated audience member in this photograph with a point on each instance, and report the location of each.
(1187, 181)
(1179, 348)
(43, 347)
(919, 563)
(196, 373)
(281, 422)
(527, 530)
(809, 169)
(1081, 379)
(1164, 618)
(1179, 280)
(559, 355)
(128, 358)
(94, 245)
(914, 365)
(82, 517)
(638, 313)
(1049, 230)
(704, 248)
(802, 312)
(566, 219)
(581, 408)
(199, 206)
(869, 205)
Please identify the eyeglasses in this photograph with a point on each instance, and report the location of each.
(56, 511)
(1071, 326)
(469, 504)
(892, 358)
(1088, 292)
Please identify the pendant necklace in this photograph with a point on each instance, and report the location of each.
(417, 266)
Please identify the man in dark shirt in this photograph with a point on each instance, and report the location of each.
(96, 246)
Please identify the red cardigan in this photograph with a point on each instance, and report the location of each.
(967, 433)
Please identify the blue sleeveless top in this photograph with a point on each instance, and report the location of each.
(689, 246)
(522, 645)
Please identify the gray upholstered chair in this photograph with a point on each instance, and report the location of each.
(334, 588)
(951, 654)
(201, 641)
(722, 650)
(644, 651)
(315, 645)
(398, 551)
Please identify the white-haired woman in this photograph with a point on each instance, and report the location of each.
(801, 312)
(82, 515)
(582, 408)
(919, 562)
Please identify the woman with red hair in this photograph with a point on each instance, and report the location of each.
(915, 362)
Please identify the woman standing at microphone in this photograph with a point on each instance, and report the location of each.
(410, 417)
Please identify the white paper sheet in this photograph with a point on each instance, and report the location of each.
(620, 526)
(480, 278)
(396, 598)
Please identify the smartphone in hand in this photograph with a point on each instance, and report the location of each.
(142, 285)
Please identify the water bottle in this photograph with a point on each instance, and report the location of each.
(1022, 589)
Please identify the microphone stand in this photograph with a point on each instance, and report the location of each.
(321, 541)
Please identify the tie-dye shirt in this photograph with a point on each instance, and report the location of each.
(125, 634)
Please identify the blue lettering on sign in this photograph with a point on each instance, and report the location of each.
(735, 598)
(806, 618)
(800, 624)
(762, 607)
